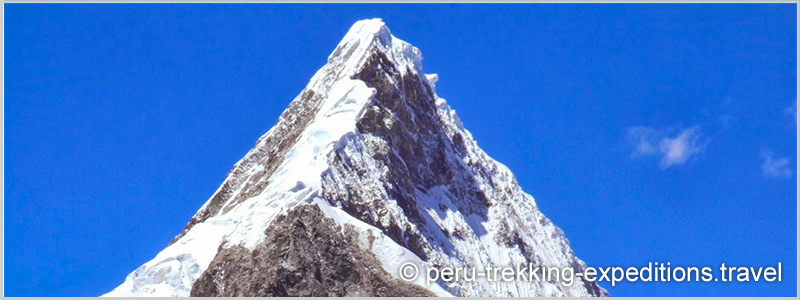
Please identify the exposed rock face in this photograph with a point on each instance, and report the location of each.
(403, 117)
(305, 254)
(366, 170)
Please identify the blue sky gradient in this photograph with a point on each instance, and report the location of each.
(646, 132)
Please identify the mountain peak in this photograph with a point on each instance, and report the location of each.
(368, 36)
(370, 154)
(369, 28)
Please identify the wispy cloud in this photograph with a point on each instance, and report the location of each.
(775, 167)
(725, 121)
(643, 139)
(672, 148)
(792, 110)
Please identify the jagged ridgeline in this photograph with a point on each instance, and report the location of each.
(367, 169)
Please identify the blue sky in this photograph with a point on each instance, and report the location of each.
(646, 132)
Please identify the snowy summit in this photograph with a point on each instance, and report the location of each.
(367, 169)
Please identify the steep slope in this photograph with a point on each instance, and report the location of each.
(370, 149)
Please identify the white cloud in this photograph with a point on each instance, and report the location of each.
(775, 167)
(792, 110)
(671, 149)
(642, 139)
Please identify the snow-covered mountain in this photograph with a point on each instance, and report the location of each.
(367, 169)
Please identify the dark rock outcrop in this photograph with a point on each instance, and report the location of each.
(304, 254)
